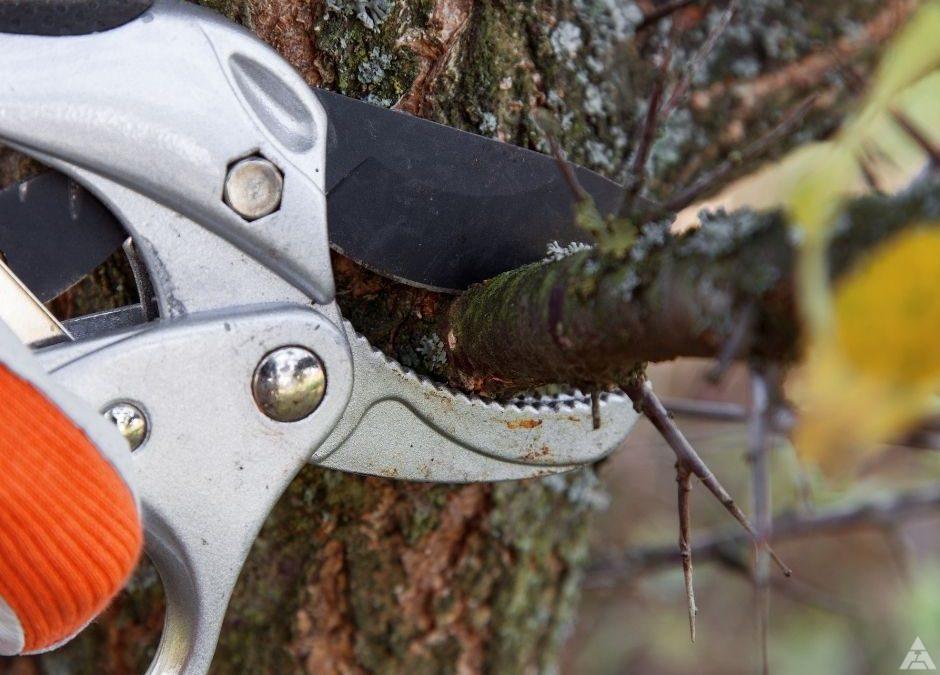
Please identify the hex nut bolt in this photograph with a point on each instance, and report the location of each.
(130, 421)
(289, 384)
(253, 188)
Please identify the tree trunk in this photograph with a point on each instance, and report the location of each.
(356, 575)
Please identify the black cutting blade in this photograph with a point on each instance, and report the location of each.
(441, 208)
(53, 232)
(417, 201)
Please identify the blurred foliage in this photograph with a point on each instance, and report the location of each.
(876, 372)
(834, 170)
(870, 373)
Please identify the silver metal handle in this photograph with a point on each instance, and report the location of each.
(231, 284)
(208, 472)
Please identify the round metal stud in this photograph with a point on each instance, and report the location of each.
(253, 188)
(130, 422)
(289, 384)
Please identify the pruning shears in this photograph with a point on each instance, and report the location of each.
(183, 138)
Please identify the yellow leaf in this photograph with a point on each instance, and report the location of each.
(910, 64)
(877, 370)
(888, 312)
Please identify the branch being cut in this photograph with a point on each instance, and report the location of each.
(591, 319)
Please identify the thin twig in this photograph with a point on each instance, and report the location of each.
(868, 173)
(806, 500)
(898, 547)
(571, 180)
(641, 393)
(796, 589)
(932, 425)
(582, 196)
(783, 419)
(662, 11)
(596, 409)
(922, 439)
(919, 137)
(698, 60)
(853, 81)
(684, 483)
(713, 411)
(637, 178)
(709, 180)
(759, 444)
(734, 347)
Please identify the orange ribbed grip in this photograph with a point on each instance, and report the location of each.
(69, 530)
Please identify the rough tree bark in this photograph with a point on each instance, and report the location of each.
(355, 575)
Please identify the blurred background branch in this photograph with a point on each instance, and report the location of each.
(883, 514)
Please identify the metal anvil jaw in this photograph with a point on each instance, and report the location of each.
(399, 424)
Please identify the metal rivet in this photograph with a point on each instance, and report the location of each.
(253, 188)
(130, 422)
(289, 384)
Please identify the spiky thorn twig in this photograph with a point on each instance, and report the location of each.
(684, 483)
(645, 401)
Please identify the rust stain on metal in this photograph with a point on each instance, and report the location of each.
(537, 453)
(523, 424)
